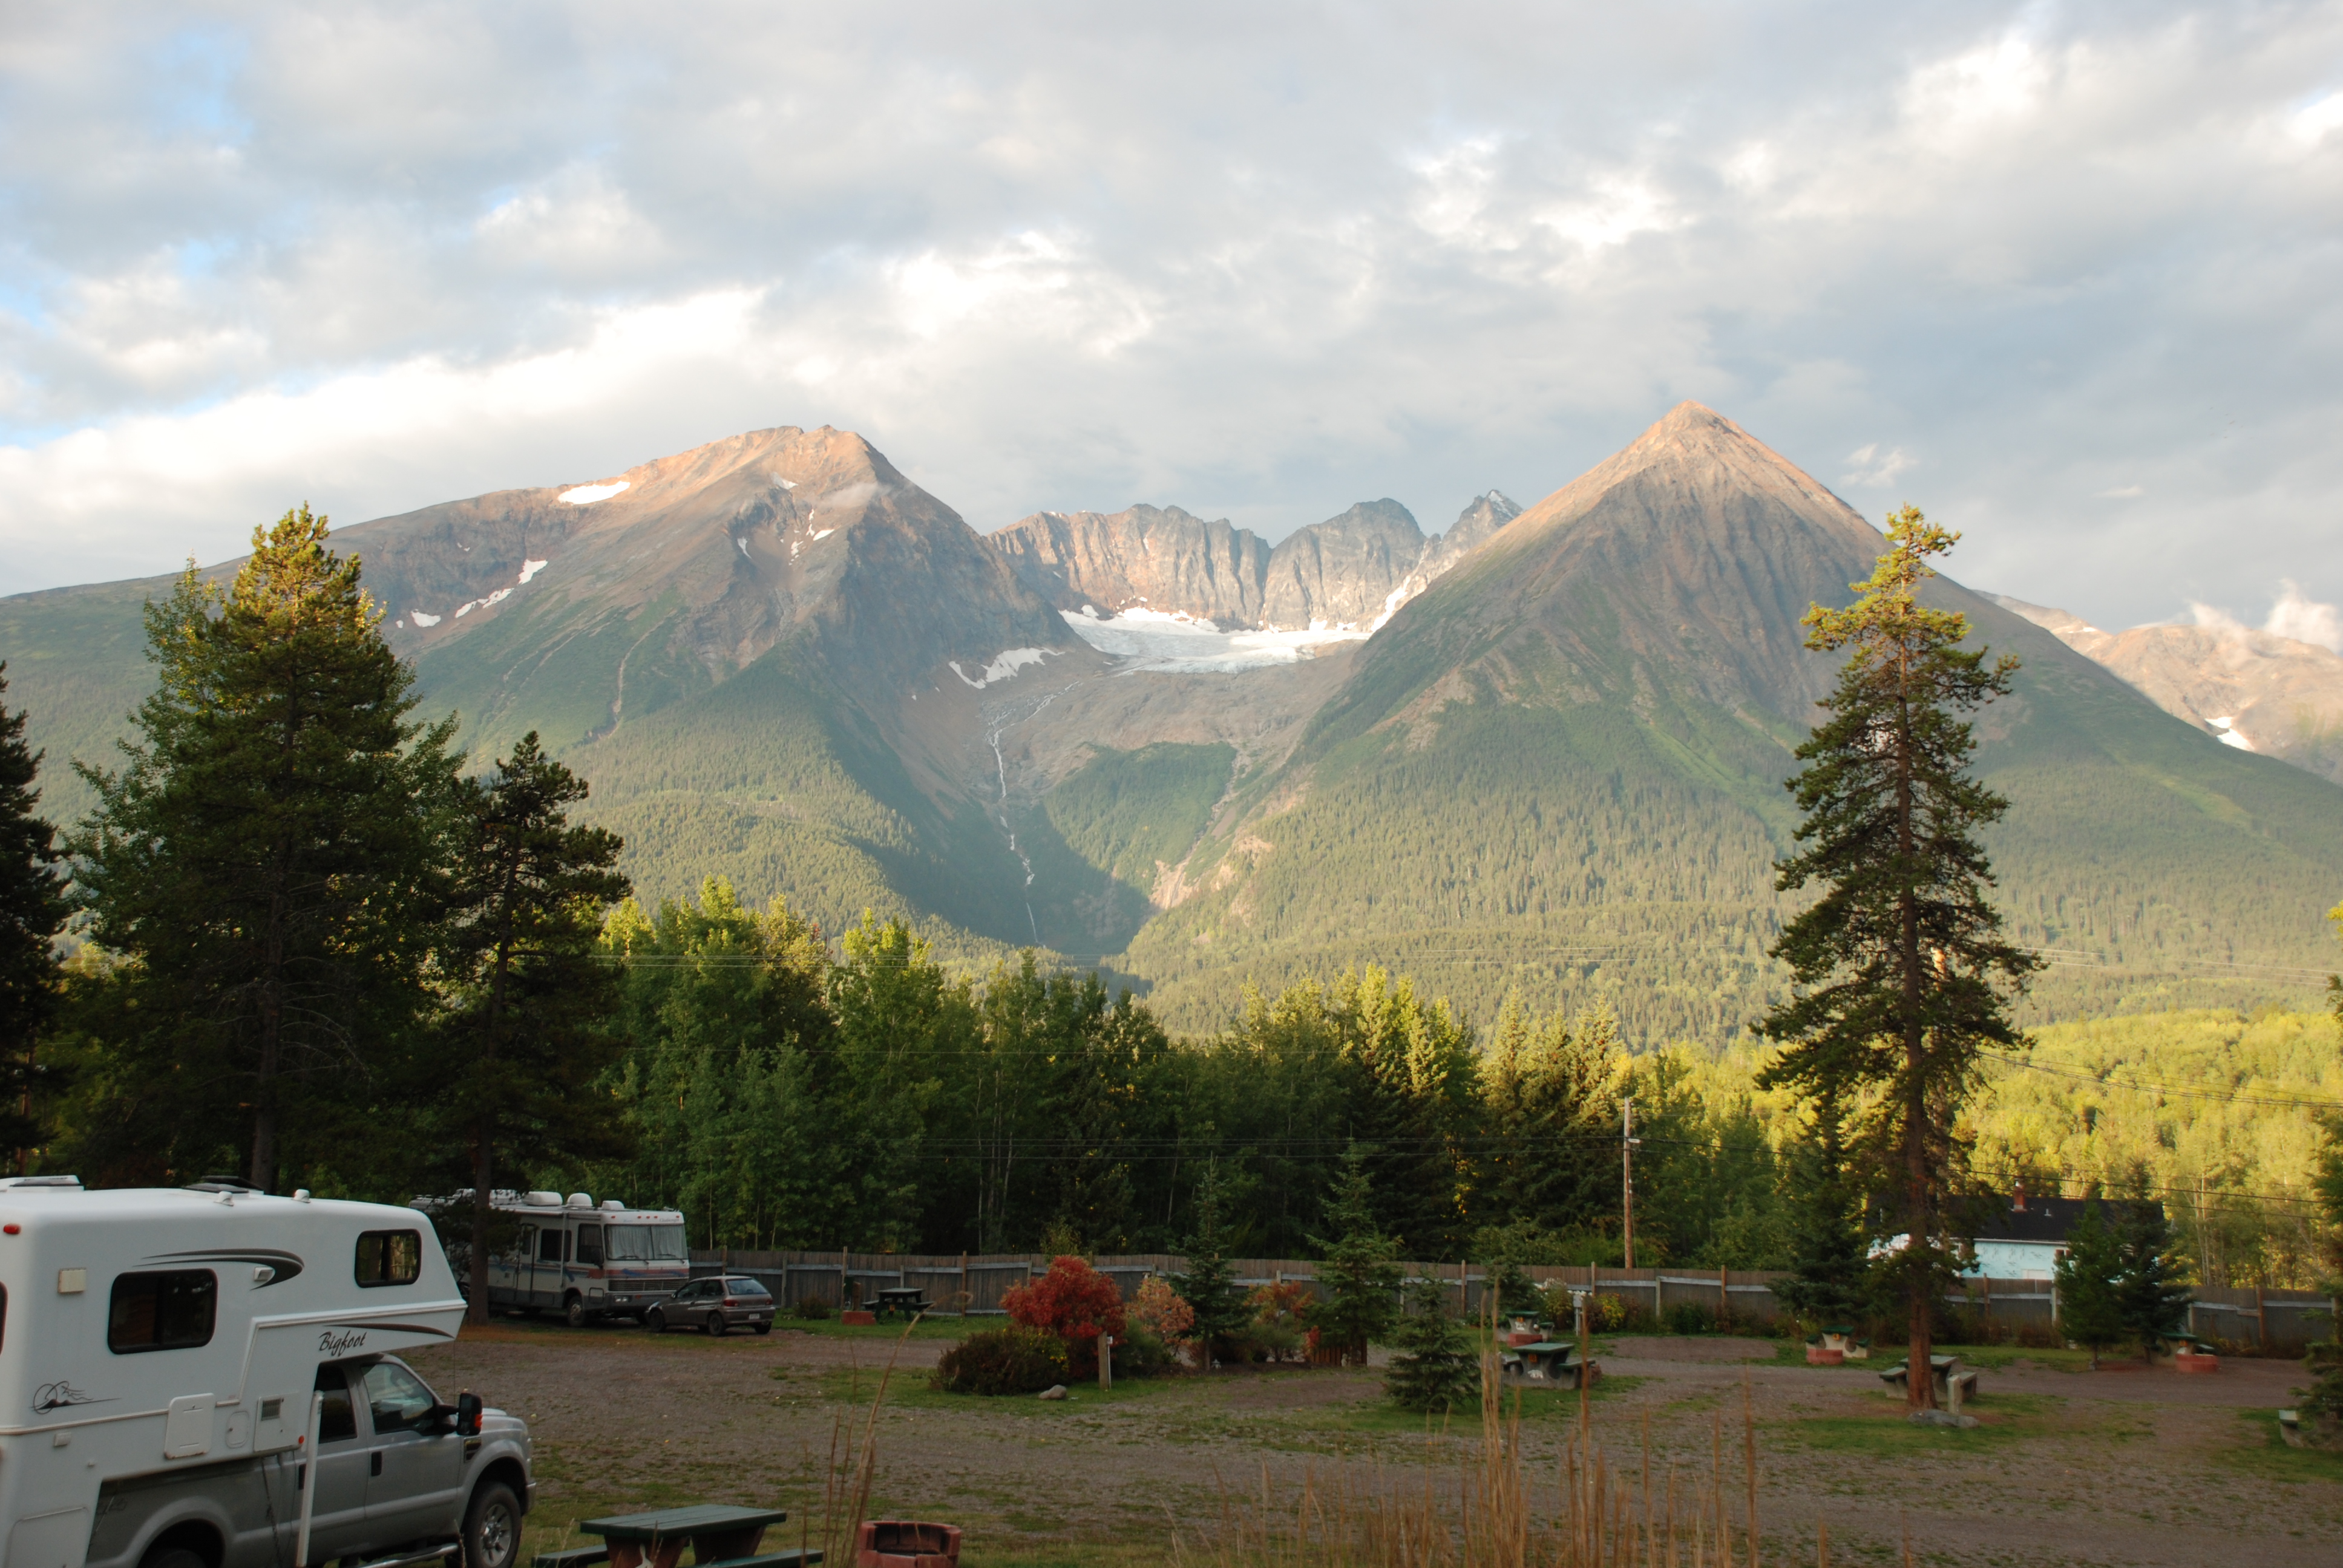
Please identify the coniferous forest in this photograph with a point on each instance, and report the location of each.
(314, 945)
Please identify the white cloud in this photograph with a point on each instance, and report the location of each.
(2297, 616)
(1256, 263)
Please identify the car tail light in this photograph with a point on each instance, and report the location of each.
(730, 1302)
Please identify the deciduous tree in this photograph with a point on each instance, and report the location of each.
(1900, 970)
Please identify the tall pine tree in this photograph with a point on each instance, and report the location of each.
(1361, 1274)
(32, 912)
(268, 854)
(530, 1028)
(1900, 969)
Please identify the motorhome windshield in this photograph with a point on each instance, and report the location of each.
(646, 1244)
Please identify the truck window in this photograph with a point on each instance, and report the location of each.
(590, 1246)
(389, 1257)
(646, 1244)
(548, 1246)
(162, 1311)
(335, 1421)
(396, 1397)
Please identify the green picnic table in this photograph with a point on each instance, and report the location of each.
(716, 1533)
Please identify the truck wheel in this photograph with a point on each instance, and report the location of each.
(492, 1527)
(573, 1313)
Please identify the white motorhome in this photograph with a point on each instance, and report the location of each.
(585, 1261)
(159, 1350)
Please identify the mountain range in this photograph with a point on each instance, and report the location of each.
(1543, 751)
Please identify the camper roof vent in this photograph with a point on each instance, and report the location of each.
(222, 1185)
(71, 1181)
(543, 1200)
(612, 1203)
(581, 1200)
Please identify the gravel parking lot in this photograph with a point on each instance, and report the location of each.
(2143, 1467)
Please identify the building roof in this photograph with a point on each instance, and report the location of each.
(2045, 1220)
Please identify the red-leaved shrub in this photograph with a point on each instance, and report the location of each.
(1073, 1302)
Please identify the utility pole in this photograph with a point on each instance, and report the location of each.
(1627, 1141)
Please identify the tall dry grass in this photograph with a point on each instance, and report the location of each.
(1475, 1505)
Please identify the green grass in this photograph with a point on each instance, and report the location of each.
(2008, 1420)
(909, 1389)
(2266, 1454)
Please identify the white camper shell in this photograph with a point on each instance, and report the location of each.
(586, 1261)
(158, 1353)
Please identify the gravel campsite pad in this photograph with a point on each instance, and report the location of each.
(2066, 1466)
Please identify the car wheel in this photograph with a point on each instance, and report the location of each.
(172, 1557)
(573, 1313)
(655, 1321)
(714, 1325)
(764, 1328)
(492, 1527)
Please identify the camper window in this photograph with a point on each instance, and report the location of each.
(389, 1257)
(589, 1244)
(396, 1397)
(164, 1311)
(335, 1421)
(548, 1246)
(647, 1243)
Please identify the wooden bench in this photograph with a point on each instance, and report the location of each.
(795, 1557)
(576, 1557)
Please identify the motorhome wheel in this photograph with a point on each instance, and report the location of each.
(492, 1527)
(574, 1312)
(169, 1556)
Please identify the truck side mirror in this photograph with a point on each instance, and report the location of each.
(467, 1414)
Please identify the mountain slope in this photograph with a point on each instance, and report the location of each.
(1561, 768)
(2252, 690)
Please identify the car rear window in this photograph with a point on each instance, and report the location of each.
(745, 1287)
(171, 1310)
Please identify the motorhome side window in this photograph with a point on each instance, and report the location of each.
(589, 1244)
(389, 1257)
(548, 1246)
(162, 1311)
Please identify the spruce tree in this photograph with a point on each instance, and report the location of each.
(1829, 1253)
(1435, 1370)
(1899, 966)
(2091, 1305)
(2151, 1293)
(1208, 1286)
(1359, 1278)
(268, 854)
(529, 1031)
(32, 910)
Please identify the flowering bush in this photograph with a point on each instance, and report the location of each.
(1159, 1310)
(1073, 1302)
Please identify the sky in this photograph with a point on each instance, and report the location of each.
(2063, 274)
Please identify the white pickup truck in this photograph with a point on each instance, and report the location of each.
(165, 1355)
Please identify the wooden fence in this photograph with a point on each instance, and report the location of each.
(2275, 1321)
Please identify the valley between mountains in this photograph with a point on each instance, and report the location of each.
(1541, 751)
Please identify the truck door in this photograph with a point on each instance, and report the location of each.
(547, 1291)
(338, 1471)
(416, 1478)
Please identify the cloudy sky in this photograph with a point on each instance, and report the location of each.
(2065, 275)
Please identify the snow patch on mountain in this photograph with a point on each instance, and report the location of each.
(1004, 668)
(587, 495)
(1175, 643)
(420, 618)
(2230, 734)
(529, 569)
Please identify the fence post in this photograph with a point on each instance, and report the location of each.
(2261, 1322)
(965, 1302)
(1723, 1299)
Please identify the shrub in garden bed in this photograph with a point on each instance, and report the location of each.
(813, 1309)
(1074, 1303)
(1005, 1360)
(1139, 1353)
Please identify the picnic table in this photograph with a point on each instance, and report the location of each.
(716, 1533)
(1548, 1361)
(907, 1300)
(1946, 1372)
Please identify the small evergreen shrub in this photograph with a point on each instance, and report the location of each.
(1690, 1318)
(812, 1309)
(1139, 1354)
(1003, 1361)
(1435, 1370)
